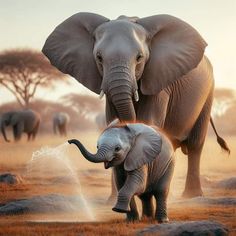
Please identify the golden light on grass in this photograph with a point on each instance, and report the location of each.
(95, 183)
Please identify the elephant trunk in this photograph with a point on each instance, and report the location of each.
(96, 158)
(125, 109)
(121, 92)
(3, 131)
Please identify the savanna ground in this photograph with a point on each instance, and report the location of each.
(95, 182)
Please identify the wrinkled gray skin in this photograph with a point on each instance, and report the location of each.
(60, 122)
(25, 121)
(151, 69)
(143, 163)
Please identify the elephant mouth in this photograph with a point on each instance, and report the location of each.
(107, 164)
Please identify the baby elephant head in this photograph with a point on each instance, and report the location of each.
(132, 145)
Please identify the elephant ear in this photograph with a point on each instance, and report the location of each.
(70, 48)
(176, 48)
(146, 147)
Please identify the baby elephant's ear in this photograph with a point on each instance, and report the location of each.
(146, 147)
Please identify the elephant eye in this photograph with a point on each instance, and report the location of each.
(99, 57)
(117, 148)
(139, 57)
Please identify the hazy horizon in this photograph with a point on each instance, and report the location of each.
(27, 24)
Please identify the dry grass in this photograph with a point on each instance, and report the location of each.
(95, 183)
(110, 228)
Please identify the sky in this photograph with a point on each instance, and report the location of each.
(27, 23)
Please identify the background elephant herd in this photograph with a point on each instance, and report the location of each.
(28, 121)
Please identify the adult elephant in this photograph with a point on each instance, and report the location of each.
(25, 121)
(151, 69)
(60, 122)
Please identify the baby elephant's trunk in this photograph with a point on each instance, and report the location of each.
(96, 158)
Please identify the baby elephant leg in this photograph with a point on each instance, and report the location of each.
(133, 184)
(161, 194)
(147, 205)
(133, 214)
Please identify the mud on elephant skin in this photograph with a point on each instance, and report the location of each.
(151, 69)
(143, 162)
(22, 121)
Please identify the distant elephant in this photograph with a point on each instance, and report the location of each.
(25, 121)
(60, 122)
(100, 120)
(151, 69)
(143, 162)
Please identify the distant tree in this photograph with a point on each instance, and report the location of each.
(23, 71)
(223, 100)
(84, 104)
(224, 93)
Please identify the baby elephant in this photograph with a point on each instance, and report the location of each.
(143, 162)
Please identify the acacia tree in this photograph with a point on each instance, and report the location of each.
(223, 100)
(23, 71)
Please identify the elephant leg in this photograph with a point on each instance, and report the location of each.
(35, 131)
(18, 130)
(147, 205)
(54, 127)
(134, 183)
(161, 194)
(65, 131)
(60, 131)
(161, 210)
(194, 145)
(29, 136)
(133, 215)
(193, 184)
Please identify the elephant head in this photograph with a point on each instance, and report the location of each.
(124, 57)
(132, 145)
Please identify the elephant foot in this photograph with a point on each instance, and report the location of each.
(190, 193)
(121, 207)
(120, 210)
(163, 220)
(123, 204)
(132, 216)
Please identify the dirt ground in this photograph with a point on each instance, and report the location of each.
(39, 179)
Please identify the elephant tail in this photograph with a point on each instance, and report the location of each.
(220, 140)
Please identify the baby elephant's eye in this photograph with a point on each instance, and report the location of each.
(117, 148)
(97, 146)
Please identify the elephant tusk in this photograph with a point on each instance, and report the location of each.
(101, 94)
(136, 96)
